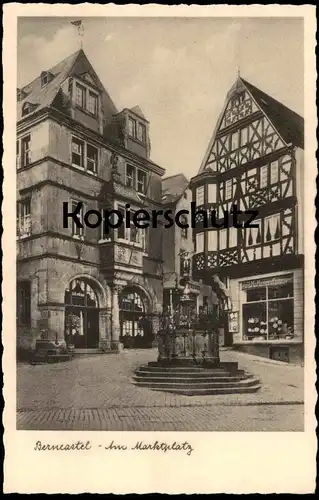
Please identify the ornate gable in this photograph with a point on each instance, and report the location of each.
(238, 107)
(89, 78)
(244, 133)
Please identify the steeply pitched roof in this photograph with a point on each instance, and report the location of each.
(289, 124)
(137, 110)
(173, 187)
(42, 97)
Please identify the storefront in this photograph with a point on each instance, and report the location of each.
(267, 309)
(81, 315)
(267, 315)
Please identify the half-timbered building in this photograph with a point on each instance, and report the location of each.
(254, 162)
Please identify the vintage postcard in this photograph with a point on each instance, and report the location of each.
(158, 290)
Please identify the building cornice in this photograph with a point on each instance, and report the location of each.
(58, 116)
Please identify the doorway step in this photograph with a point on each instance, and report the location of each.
(90, 351)
(195, 381)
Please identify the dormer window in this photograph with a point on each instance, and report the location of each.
(80, 95)
(92, 103)
(141, 132)
(136, 130)
(86, 99)
(46, 77)
(27, 108)
(20, 94)
(131, 127)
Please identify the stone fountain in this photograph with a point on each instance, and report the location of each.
(188, 359)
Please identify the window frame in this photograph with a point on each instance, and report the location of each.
(84, 167)
(141, 126)
(81, 106)
(95, 96)
(254, 229)
(81, 234)
(132, 133)
(202, 235)
(24, 219)
(25, 154)
(212, 189)
(265, 301)
(200, 193)
(140, 241)
(184, 230)
(94, 172)
(135, 181)
(277, 216)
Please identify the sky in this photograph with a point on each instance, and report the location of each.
(178, 70)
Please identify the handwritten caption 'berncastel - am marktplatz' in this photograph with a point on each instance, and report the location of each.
(138, 446)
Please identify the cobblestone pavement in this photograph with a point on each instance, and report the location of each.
(183, 418)
(96, 393)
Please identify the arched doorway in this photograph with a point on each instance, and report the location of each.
(81, 315)
(136, 327)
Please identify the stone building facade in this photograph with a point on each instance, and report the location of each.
(92, 289)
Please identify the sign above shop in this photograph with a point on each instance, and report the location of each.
(275, 281)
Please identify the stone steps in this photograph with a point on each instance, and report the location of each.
(194, 380)
(212, 392)
(189, 378)
(188, 384)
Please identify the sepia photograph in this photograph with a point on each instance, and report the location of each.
(161, 225)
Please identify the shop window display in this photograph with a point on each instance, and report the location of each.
(268, 310)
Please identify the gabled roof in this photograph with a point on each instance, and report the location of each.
(137, 111)
(42, 97)
(173, 188)
(289, 124)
